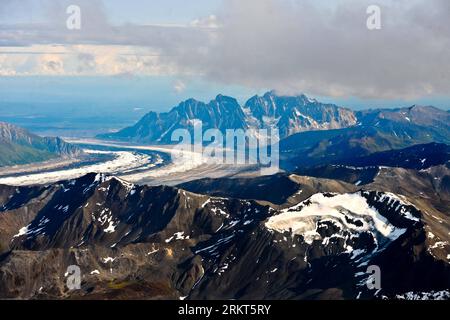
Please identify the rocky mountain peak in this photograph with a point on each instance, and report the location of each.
(200, 246)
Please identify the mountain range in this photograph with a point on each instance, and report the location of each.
(292, 115)
(311, 132)
(140, 242)
(377, 131)
(18, 146)
(359, 189)
(289, 114)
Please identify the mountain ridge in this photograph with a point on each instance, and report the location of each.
(19, 146)
(324, 129)
(158, 242)
(377, 130)
(289, 115)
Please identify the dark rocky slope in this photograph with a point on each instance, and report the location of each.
(161, 242)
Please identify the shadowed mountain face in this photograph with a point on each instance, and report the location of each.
(161, 242)
(419, 157)
(349, 174)
(289, 114)
(18, 146)
(281, 189)
(363, 170)
(275, 189)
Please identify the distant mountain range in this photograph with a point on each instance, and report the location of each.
(377, 131)
(289, 114)
(18, 146)
(311, 132)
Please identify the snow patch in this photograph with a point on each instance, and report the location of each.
(432, 295)
(108, 259)
(350, 212)
(23, 231)
(177, 236)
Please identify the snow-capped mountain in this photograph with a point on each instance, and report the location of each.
(311, 132)
(289, 114)
(293, 114)
(221, 113)
(135, 241)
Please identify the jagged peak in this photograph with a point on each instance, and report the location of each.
(275, 93)
(191, 100)
(219, 97)
(222, 97)
(270, 93)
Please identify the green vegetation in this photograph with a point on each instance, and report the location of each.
(18, 146)
(15, 154)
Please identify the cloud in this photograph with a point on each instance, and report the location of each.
(81, 60)
(206, 22)
(288, 45)
(297, 46)
(51, 64)
(179, 86)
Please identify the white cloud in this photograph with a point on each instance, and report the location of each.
(288, 45)
(179, 86)
(206, 22)
(81, 60)
(50, 64)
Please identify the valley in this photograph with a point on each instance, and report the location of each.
(144, 164)
(216, 153)
(143, 219)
